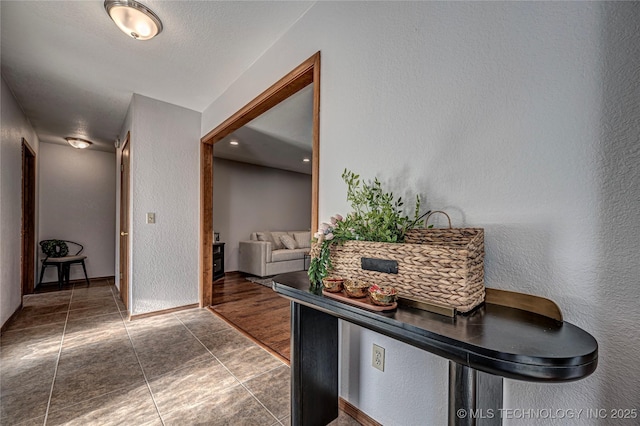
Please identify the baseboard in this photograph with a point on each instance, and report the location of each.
(13, 315)
(355, 412)
(80, 280)
(163, 311)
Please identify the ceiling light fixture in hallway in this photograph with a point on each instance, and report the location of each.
(134, 19)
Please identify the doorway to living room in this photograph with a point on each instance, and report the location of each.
(230, 136)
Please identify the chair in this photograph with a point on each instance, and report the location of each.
(57, 254)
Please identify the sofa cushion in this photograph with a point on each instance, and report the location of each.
(303, 239)
(288, 242)
(285, 254)
(265, 236)
(276, 239)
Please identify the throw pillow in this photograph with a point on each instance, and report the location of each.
(303, 239)
(276, 240)
(288, 242)
(264, 236)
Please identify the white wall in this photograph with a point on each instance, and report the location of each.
(165, 176)
(77, 203)
(248, 198)
(13, 127)
(518, 117)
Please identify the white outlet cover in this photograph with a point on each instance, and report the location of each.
(377, 357)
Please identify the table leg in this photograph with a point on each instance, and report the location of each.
(475, 397)
(314, 366)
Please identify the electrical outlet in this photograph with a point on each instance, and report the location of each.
(151, 218)
(377, 359)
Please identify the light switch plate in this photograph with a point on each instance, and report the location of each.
(151, 218)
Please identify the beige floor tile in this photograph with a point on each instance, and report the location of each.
(26, 320)
(101, 355)
(38, 421)
(223, 342)
(43, 299)
(92, 303)
(165, 354)
(273, 390)
(91, 293)
(201, 321)
(249, 362)
(126, 406)
(53, 308)
(42, 338)
(155, 324)
(93, 311)
(70, 389)
(188, 386)
(22, 402)
(232, 406)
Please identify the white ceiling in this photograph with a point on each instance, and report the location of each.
(73, 71)
(279, 138)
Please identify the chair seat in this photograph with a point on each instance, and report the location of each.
(64, 259)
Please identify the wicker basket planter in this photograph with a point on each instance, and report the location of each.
(443, 266)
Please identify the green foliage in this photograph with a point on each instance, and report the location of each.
(376, 216)
(320, 265)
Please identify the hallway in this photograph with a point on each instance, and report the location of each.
(70, 357)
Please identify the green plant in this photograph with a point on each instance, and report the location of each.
(376, 216)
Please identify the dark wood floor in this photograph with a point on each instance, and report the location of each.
(256, 310)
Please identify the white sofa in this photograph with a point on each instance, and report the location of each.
(266, 253)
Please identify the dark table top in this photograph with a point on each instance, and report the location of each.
(495, 339)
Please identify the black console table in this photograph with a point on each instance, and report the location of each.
(482, 347)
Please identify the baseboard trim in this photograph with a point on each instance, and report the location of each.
(355, 412)
(13, 315)
(163, 311)
(79, 280)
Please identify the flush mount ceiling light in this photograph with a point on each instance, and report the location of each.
(305, 160)
(134, 19)
(234, 143)
(79, 143)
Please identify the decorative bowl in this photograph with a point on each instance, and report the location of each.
(356, 288)
(332, 284)
(382, 295)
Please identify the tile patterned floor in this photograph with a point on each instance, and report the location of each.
(71, 358)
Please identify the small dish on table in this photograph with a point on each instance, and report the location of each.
(332, 284)
(356, 288)
(382, 295)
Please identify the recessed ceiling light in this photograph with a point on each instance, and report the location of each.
(305, 160)
(79, 143)
(134, 19)
(234, 143)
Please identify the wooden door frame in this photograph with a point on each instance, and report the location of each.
(28, 220)
(124, 256)
(306, 73)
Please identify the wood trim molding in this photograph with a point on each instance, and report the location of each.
(304, 74)
(355, 412)
(296, 80)
(206, 225)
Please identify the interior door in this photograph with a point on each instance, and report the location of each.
(28, 231)
(124, 223)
